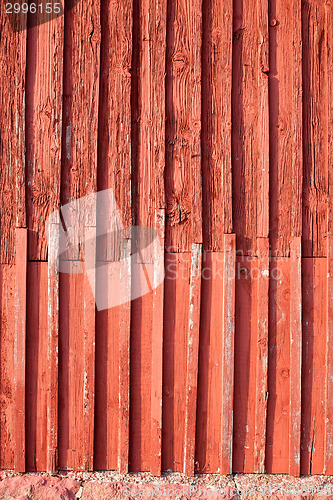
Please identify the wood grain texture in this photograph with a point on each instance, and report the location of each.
(285, 111)
(12, 135)
(250, 119)
(211, 122)
(111, 439)
(37, 367)
(262, 354)
(180, 358)
(216, 132)
(44, 96)
(315, 125)
(329, 361)
(148, 209)
(295, 356)
(183, 125)
(314, 359)
(214, 431)
(8, 407)
(251, 359)
(79, 178)
(21, 258)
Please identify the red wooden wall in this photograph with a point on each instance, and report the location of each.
(211, 121)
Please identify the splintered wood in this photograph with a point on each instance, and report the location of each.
(166, 246)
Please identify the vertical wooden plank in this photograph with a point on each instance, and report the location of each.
(262, 354)
(250, 123)
(43, 134)
(285, 363)
(314, 319)
(8, 405)
(329, 362)
(19, 346)
(52, 349)
(214, 431)
(250, 169)
(12, 240)
(114, 172)
(43, 155)
(183, 125)
(285, 89)
(329, 395)
(37, 368)
(295, 356)
(228, 312)
(79, 179)
(12, 134)
(315, 127)
(285, 110)
(278, 414)
(192, 360)
(216, 132)
(183, 223)
(148, 209)
(180, 358)
(246, 323)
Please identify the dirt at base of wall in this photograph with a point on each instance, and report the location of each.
(109, 485)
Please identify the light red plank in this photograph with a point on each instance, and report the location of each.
(314, 319)
(285, 111)
(37, 367)
(8, 407)
(295, 356)
(43, 106)
(79, 178)
(262, 280)
(192, 360)
(250, 137)
(214, 431)
(183, 125)
(329, 362)
(180, 358)
(148, 163)
(315, 132)
(216, 132)
(114, 172)
(21, 259)
(12, 133)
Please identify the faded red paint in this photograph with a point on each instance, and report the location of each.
(212, 123)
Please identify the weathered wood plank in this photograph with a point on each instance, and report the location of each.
(250, 138)
(44, 93)
(21, 259)
(262, 305)
(12, 134)
(52, 348)
(315, 139)
(314, 323)
(216, 361)
(285, 363)
(295, 356)
(216, 132)
(79, 178)
(148, 153)
(114, 172)
(8, 406)
(37, 367)
(183, 125)
(285, 110)
(329, 362)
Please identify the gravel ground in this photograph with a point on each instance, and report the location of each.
(110, 485)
